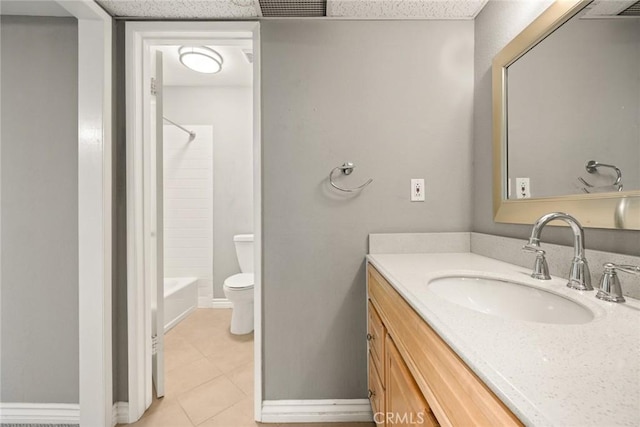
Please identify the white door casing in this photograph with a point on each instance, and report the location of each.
(94, 210)
(140, 37)
(157, 227)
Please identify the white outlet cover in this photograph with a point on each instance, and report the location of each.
(523, 188)
(417, 190)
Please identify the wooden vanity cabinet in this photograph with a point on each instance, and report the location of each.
(376, 333)
(405, 404)
(421, 381)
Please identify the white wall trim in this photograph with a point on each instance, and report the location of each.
(139, 36)
(120, 413)
(179, 319)
(40, 413)
(257, 223)
(221, 303)
(316, 411)
(94, 210)
(204, 302)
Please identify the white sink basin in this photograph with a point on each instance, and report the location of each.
(510, 300)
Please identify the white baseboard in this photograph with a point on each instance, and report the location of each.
(178, 319)
(40, 413)
(204, 302)
(120, 413)
(313, 411)
(221, 303)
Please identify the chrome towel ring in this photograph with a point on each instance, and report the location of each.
(346, 169)
(592, 167)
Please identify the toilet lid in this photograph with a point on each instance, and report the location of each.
(238, 281)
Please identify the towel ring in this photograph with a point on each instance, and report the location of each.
(346, 169)
(592, 167)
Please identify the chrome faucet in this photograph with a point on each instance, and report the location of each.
(610, 289)
(579, 275)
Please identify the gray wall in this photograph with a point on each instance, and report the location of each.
(394, 97)
(229, 111)
(575, 97)
(495, 26)
(39, 213)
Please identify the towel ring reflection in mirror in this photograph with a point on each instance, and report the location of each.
(592, 167)
(346, 169)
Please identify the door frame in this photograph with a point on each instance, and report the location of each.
(139, 37)
(94, 210)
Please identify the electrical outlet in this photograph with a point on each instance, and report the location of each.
(417, 190)
(523, 188)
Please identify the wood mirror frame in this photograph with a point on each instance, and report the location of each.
(618, 210)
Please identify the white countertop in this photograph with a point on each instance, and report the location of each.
(547, 374)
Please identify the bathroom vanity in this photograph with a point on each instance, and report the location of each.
(433, 361)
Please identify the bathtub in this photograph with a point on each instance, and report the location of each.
(180, 299)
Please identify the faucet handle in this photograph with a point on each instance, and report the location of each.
(540, 267)
(631, 269)
(610, 288)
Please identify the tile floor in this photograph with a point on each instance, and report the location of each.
(209, 377)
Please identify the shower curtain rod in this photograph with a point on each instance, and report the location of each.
(192, 134)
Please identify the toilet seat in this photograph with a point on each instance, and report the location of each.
(239, 281)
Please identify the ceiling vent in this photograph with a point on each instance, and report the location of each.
(633, 10)
(293, 8)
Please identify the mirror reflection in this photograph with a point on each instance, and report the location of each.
(573, 110)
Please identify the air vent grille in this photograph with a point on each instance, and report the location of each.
(633, 10)
(293, 8)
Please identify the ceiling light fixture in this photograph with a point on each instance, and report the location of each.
(201, 59)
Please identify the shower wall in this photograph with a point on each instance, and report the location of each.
(188, 207)
(228, 111)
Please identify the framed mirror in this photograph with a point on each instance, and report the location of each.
(566, 117)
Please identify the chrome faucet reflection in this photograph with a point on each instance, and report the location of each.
(579, 275)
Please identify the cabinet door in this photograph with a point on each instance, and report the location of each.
(375, 335)
(405, 404)
(376, 394)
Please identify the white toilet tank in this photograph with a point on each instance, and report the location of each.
(244, 251)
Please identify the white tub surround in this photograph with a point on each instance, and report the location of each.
(547, 374)
(188, 207)
(180, 299)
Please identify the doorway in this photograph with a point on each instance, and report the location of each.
(192, 130)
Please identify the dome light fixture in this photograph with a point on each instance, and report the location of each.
(201, 59)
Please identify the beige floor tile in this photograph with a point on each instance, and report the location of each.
(242, 377)
(167, 416)
(232, 356)
(204, 318)
(200, 334)
(195, 382)
(223, 343)
(239, 415)
(162, 403)
(179, 352)
(190, 375)
(209, 399)
(329, 425)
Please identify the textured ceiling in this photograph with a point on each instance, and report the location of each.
(185, 9)
(239, 9)
(405, 9)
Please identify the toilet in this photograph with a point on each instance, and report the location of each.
(239, 288)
